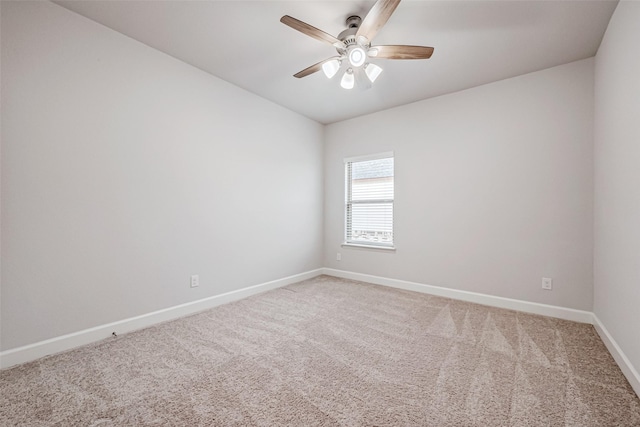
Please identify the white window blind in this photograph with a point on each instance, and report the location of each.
(369, 201)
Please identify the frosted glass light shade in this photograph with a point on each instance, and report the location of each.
(330, 68)
(357, 56)
(373, 71)
(348, 79)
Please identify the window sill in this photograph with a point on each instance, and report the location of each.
(356, 245)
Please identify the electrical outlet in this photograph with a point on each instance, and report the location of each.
(338, 256)
(547, 283)
(195, 281)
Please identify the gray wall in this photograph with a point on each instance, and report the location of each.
(124, 171)
(494, 188)
(617, 180)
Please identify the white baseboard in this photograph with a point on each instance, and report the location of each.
(484, 299)
(621, 359)
(618, 355)
(67, 342)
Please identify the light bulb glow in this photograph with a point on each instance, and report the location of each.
(348, 79)
(330, 68)
(373, 71)
(357, 56)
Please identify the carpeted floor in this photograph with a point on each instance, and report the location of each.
(328, 352)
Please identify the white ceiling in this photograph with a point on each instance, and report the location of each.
(243, 42)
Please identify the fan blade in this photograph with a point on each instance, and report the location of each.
(311, 31)
(362, 81)
(401, 52)
(314, 68)
(376, 18)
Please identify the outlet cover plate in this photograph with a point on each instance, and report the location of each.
(195, 281)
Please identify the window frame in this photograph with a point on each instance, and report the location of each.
(347, 202)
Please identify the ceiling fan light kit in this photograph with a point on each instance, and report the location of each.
(357, 56)
(372, 71)
(354, 46)
(348, 79)
(331, 67)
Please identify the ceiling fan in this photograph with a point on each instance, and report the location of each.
(354, 46)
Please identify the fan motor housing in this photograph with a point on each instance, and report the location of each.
(348, 36)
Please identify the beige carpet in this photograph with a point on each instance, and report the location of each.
(331, 352)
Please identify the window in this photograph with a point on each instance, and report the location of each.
(369, 200)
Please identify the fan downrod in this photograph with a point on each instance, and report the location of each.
(348, 36)
(353, 21)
